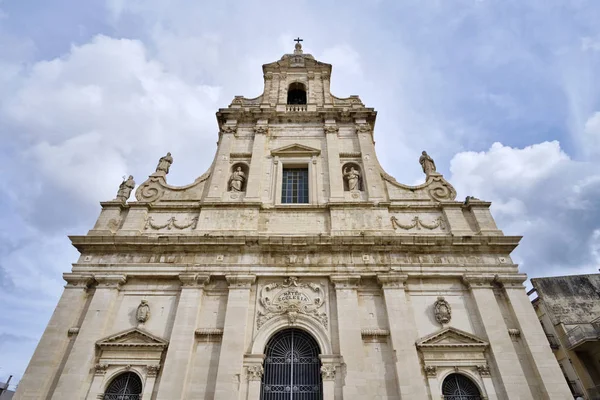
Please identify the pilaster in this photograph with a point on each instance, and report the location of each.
(253, 367)
(75, 378)
(220, 171)
(371, 176)
(551, 380)
(456, 220)
(329, 373)
(504, 355)
(336, 184)
(44, 366)
(403, 334)
(178, 363)
(257, 161)
(234, 334)
(135, 219)
(110, 219)
(351, 345)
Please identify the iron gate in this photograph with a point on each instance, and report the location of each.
(292, 367)
(459, 387)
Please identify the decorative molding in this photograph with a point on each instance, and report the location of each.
(254, 372)
(209, 334)
(268, 76)
(357, 154)
(345, 281)
(73, 331)
(514, 333)
(171, 223)
(478, 281)
(240, 281)
(430, 371)
(291, 298)
(417, 223)
(331, 129)
(295, 150)
(328, 372)
(261, 129)
(100, 369)
(363, 128)
(134, 337)
(374, 334)
(193, 280)
(392, 281)
(484, 370)
(78, 281)
(152, 370)
(240, 155)
(451, 339)
(110, 281)
(442, 311)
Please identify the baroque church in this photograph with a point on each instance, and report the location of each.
(294, 268)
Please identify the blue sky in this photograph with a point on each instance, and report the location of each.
(504, 94)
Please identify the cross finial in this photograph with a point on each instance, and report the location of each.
(298, 40)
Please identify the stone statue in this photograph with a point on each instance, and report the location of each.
(143, 311)
(427, 164)
(236, 180)
(442, 311)
(125, 189)
(353, 177)
(164, 163)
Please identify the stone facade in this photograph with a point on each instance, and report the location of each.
(400, 286)
(568, 308)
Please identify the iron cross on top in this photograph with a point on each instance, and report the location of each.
(298, 40)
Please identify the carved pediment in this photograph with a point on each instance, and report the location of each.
(134, 337)
(295, 149)
(451, 338)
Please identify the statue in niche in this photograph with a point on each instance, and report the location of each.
(164, 163)
(125, 189)
(143, 312)
(427, 164)
(442, 311)
(236, 180)
(353, 178)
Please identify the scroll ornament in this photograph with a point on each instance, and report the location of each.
(151, 190)
(418, 224)
(291, 298)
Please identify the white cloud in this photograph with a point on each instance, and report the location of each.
(591, 135)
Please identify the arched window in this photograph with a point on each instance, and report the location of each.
(459, 387)
(126, 386)
(292, 367)
(296, 94)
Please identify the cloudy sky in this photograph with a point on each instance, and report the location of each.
(504, 94)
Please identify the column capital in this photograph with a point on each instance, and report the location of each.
(392, 281)
(193, 280)
(78, 280)
(110, 281)
(345, 281)
(511, 281)
(479, 281)
(240, 281)
(328, 372)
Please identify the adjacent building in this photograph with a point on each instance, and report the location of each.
(294, 268)
(568, 308)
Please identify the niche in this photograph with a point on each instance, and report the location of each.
(238, 178)
(352, 177)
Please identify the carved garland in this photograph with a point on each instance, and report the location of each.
(171, 223)
(291, 298)
(417, 223)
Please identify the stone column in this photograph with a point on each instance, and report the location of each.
(551, 379)
(336, 183)
(234, 337)
(504, 355)
(403, 334)
(253, 366)
(45, 363)
(255, 175)
(75, 379)
(351, 345)
(178, 363)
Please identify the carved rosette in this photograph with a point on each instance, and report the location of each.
(291, 298)
(430, 371)
(442, 311)
(254, 372)
(328, 372)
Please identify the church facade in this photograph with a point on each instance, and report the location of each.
(294, 268)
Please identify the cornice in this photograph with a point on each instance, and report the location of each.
(345, 281)
(392, 281)
(240, 281)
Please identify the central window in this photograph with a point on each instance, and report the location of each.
(294, 188)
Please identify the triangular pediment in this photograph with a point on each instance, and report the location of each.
(295, 150)
(134, 337)
(451, 338)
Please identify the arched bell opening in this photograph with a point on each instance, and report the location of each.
(459, 387)
(296, 93)
(292, 367)
(125, 386)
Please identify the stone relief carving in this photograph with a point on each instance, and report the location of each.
(153, 369)
(436, 187)
(143, 312)
(352, 176)
(442, 311)
(291, 298)
(362, 128)
(328, 372)
(418, 224)
(125, 189)
(236, 180)
(430, 371)
(427, 164)
(254, 372)
(331, 129)
(261, 129)
(164, 164)
(484, 370)
(171, 223)
(100, 369)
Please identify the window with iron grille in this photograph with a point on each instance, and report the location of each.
(292, 367)
(294, 188)
(459, 387)
(126, 386)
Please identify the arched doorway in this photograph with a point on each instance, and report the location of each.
(459, 387)
(126, 386)
(292, 368)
